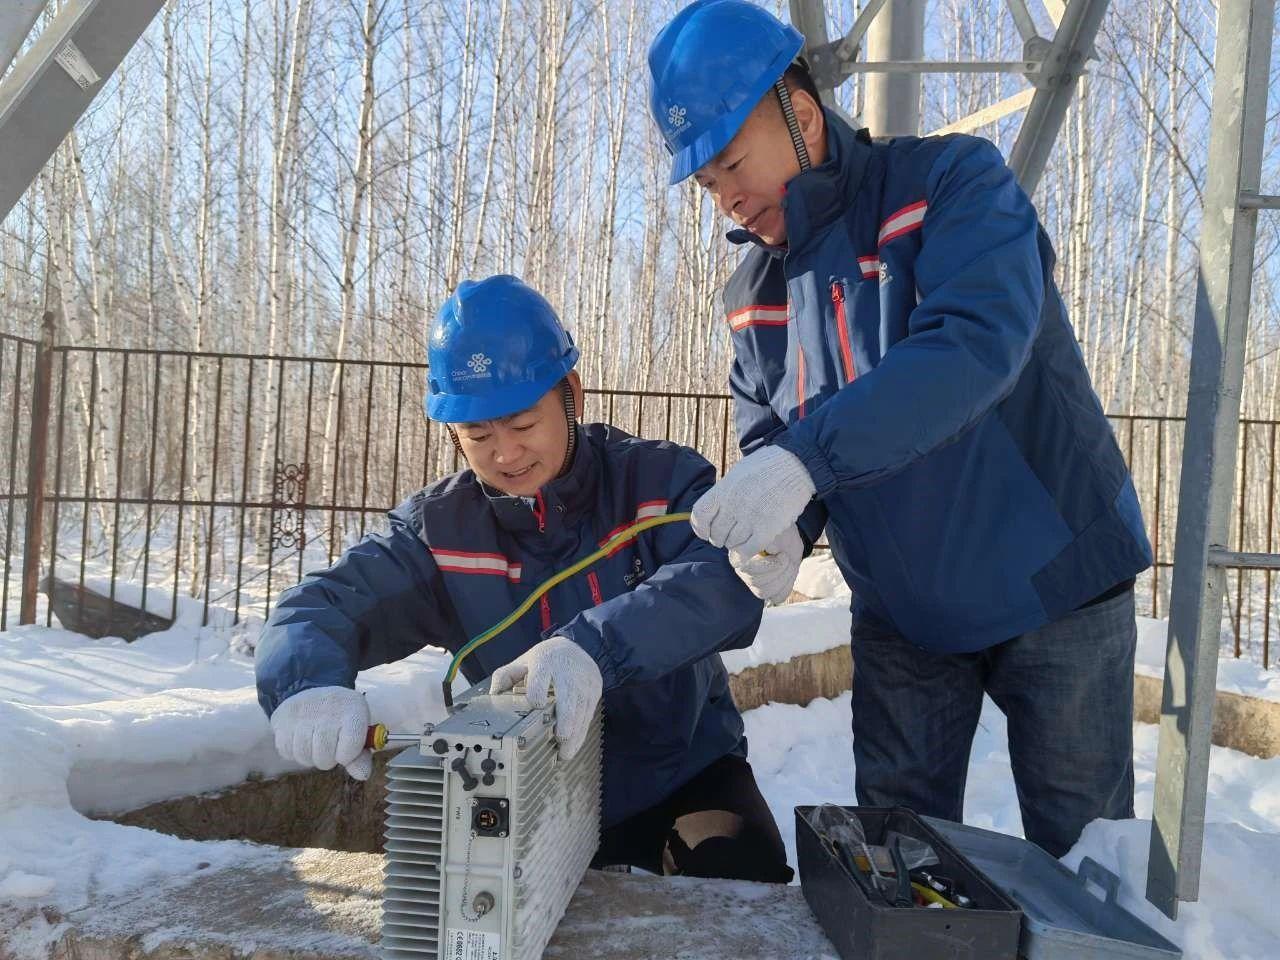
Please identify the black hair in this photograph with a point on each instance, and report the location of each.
(798, 77)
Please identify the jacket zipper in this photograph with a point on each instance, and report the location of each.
(842, 327)
(594, 582)
(540, 514)
(800, 376)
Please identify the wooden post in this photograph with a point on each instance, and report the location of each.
(39, 446)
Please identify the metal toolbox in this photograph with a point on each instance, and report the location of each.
(1062, 919)
(863, 928)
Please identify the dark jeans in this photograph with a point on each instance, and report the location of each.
(716, 825)
(1066, 689)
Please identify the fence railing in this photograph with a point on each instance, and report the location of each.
(197, 485)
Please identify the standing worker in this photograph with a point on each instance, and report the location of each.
(905, 376)
(643, 626)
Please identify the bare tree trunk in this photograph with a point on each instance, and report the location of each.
(360, 187)
(203, 429)
(496, 99)
(619, 87)
(462, 154)
(1135, 279)
(1173, 229)
(279, 261)
(180, 288)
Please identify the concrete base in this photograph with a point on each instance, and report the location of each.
(812, 675)
(297, 904)
(1242, 723)
(329, 809)
(315, 808)
(310, 904)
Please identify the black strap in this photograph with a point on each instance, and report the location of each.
(793, 125)
(571, 418)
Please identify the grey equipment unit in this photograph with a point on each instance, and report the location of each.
(489, 832)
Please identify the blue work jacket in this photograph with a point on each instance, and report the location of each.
(458, 557)
(910, 346)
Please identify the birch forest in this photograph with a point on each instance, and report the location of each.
(309, 178)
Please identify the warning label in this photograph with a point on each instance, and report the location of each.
(471, 945)
(70, 59)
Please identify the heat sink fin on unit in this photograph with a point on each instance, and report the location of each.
(488, 833)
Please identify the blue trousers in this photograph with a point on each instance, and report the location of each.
(1066, 689)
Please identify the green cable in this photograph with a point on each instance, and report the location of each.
(627, 533)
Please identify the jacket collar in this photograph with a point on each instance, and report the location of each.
(817, 197)
(559, 503)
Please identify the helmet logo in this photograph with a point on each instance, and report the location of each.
(675, 118)
(479, 366)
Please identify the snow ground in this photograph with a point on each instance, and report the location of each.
(101, 726)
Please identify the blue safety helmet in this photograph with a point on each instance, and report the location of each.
(709, 67)
(496, 347)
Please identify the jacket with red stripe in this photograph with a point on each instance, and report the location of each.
(457, 557)
(910, 346)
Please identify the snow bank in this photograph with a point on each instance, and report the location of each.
(1235, 918)
(173, 714)
(190, 611)
(91, 727)
(1241, 676)
(39, 665)
(819, 577)
(793, 630)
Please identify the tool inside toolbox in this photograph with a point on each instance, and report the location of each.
(898, 870)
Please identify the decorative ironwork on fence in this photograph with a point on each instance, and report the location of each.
(198, 485)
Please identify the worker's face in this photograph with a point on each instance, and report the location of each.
(749, 177)
(521, 453)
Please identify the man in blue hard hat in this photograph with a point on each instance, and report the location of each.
(642, 627)
(905, 376)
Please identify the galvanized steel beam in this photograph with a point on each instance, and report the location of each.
(56, 79)
(1220, 557)
(891, 105)
(1227, 234)
(1055, 86)
(17, 17)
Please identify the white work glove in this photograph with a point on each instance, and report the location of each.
(759, 498)
(322, 727)
(770, 573)
(560, 664)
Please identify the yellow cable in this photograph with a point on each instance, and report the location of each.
(933, 896)
(628, 533)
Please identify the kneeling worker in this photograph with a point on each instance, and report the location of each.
(642, 627)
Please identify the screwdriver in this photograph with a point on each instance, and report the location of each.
(378, 737)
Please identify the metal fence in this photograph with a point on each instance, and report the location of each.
(197, 485)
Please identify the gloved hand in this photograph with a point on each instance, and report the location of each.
(558, 663)
(322, 727)
(770, 573)
(751, 506)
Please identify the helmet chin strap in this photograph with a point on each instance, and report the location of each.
(793, 125)
(571, 418)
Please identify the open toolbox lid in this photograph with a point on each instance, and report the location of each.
(1062, 918)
